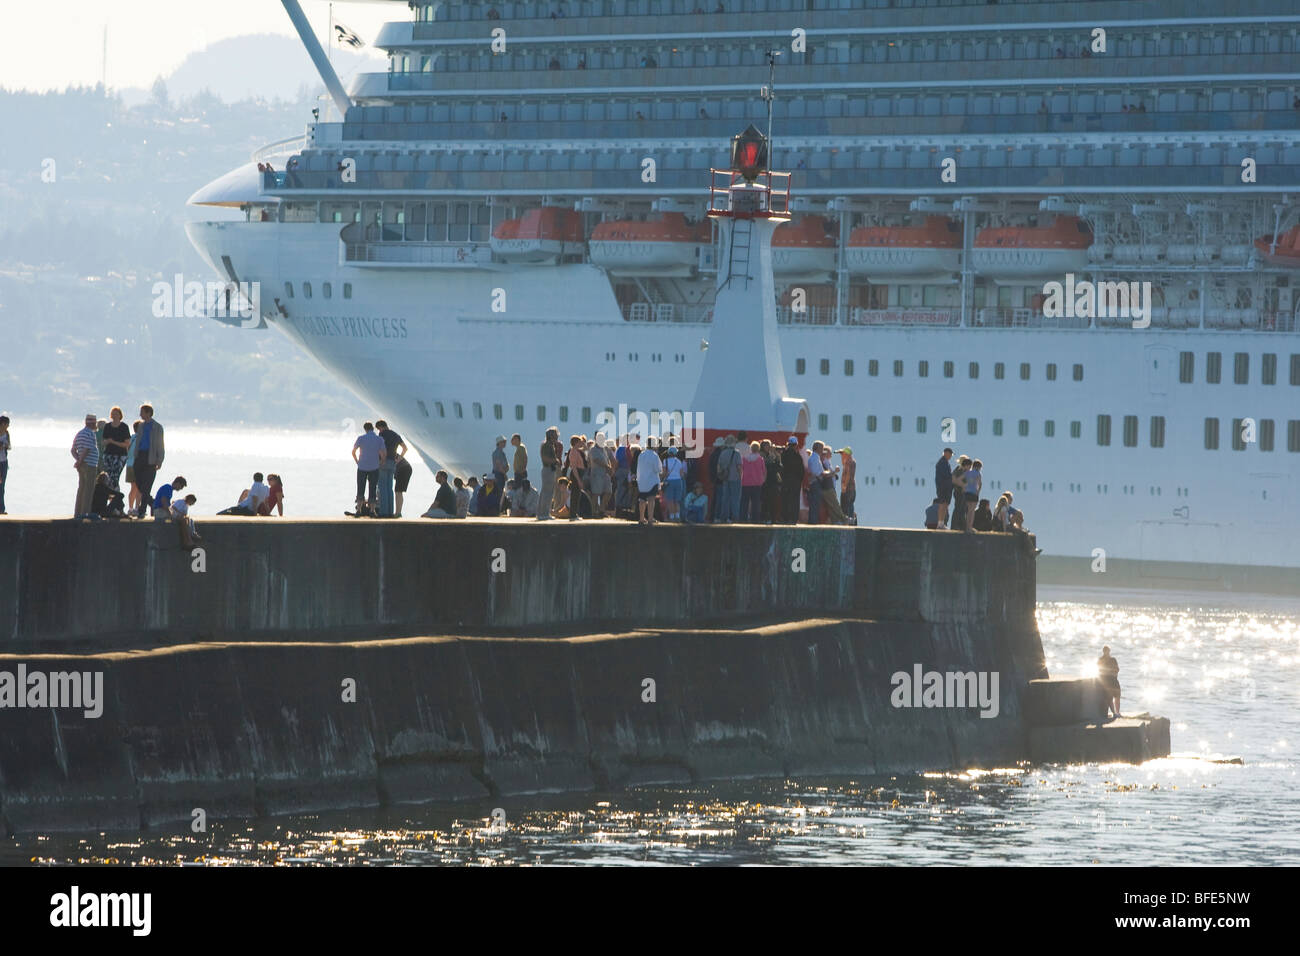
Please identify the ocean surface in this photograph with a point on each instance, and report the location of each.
(1225, 669)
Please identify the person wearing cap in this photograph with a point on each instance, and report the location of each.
(729, 477)
(674, 485)
(489, 498)
(848, 483)
(85, 459)
(791, 480)
(499, 467)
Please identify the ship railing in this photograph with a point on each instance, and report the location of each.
(666, 312)
(418, 253)
(904, 317)
(294, 144)
(1009, 318)
(811, 315)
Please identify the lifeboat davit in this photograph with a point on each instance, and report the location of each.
(1026, 252)
(804, 248)
(1287, 253)
(539, 235)
(666, 246)
(930, 249)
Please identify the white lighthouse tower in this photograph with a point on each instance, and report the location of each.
(742, 385)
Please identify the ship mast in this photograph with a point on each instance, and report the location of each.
(768, 93)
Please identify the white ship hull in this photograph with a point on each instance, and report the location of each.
(425, 348)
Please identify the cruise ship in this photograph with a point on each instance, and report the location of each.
(507, 230)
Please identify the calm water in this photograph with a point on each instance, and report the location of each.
(1226, 671)
(218, 463)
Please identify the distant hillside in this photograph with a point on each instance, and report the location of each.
(264, 65)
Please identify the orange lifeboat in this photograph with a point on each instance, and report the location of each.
(1287, 253)
(804, 247)
(1027, 252)
(930, 249)
(539, 235)
(666, 246)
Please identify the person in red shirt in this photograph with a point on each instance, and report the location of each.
(274, 501)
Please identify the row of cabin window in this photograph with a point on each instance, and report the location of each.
(1240, 368)
(949, 369)
(542, 9)
(326, 290)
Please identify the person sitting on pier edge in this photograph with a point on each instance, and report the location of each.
(791, 480)
(1001, 519)
(444, 502)
(649, 471)
(250, 499)
(274, 502)
(560, 506)
(932, 515)
(462, 498)
(1108, 675)
(487, 503)
(368, 452)
(472, 486)
(162, 501)
(524, 501)
(551, 453)
(180, 512)
(943, 484)
(697, 505)
(983, 520)
(106, 501)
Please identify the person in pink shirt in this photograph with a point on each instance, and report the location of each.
(753, 472)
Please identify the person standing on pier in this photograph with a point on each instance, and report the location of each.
(577, 474)
(5, 444)
(149, 454)
(394, 449)
(753, 472)
(791, 481)
(649, 470)
(117, 442)
(1108, 674)
(943, 484)
(520, 463)
(601, 460)
(500, 465)
(815, 469)
(958, 493)
(848, 484)
(973, 485)
(551, 453)
(85, 454)
(368, 452)
(729, 478)
(771, 493)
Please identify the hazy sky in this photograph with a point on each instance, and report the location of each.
(50, 44)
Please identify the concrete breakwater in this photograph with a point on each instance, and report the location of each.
(318, 665)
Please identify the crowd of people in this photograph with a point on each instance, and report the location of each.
(958, 505)
(117, 466)
(752, 482)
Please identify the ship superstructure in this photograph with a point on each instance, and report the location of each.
(507, 230)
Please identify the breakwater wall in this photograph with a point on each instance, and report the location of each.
(324, 665)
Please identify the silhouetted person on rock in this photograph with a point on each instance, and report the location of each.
(1108, 674)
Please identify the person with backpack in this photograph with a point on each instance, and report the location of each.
(728, 477)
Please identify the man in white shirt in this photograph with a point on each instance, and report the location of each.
(649, 469)
(815, 469)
